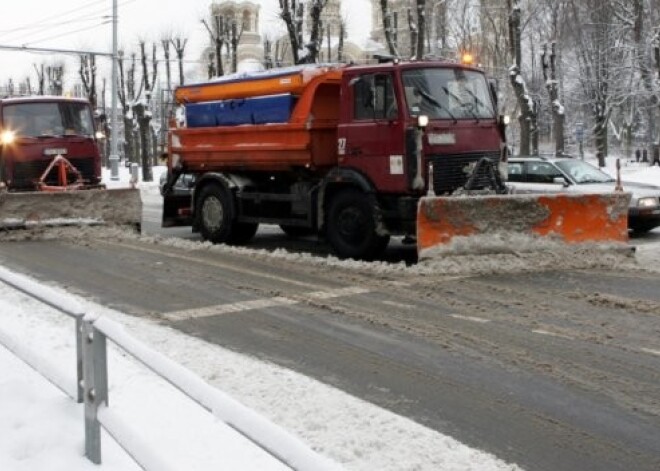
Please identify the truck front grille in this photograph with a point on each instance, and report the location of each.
(449, 170)
(27, 173)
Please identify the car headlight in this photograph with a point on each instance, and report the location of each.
(647, 202)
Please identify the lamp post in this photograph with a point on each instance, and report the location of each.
(114, 153)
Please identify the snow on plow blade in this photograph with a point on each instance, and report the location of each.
(83, 207)
(443, 222)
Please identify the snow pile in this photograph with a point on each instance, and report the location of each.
(465, 256)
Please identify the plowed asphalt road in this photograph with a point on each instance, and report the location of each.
(557, 370)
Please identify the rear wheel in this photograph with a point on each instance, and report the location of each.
(351, 226)
(215, 214)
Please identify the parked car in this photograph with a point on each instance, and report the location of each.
(565, 174)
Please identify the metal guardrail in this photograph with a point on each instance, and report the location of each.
(92, 334)
(63, 304)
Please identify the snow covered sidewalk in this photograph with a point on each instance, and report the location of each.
(45, 428)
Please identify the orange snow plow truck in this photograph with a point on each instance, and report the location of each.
(359, 154)
(50, 167)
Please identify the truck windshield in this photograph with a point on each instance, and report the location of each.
(48, 119)
(447, 93)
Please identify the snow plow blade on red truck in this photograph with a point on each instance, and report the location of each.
(351, 153)
(454, 224)
(50, 167)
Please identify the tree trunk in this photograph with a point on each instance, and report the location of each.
(528, 115)
(549, 64)
(421, 29)
(387, 28)
(289, 14)
(129, 147)
(143, 120)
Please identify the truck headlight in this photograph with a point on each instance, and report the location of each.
(648, 202)
(7, 137)
(422, 121)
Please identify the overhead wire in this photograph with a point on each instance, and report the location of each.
(49, 18)
(104, 22)
(85, 18)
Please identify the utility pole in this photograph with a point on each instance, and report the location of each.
(114, 154)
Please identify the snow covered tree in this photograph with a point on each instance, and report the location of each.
(388, 28)
(604, 64)
(549, 63)
(179, 45)
(292, 12)
(87, 72)
(526, 103)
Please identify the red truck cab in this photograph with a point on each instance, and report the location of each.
(34, 130)
(380, 115)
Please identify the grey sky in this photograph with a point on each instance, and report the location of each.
(85, 25)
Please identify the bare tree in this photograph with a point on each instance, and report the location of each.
(124, 94)
(55, 75)
(549, 63)
(604, 66)
(292, 13)
(179, 47)
(528, 106)
(219, 34)
(165, 43)
(87, 74)
(234, 40)
(41, 78)
(388, 28)
(421, 29)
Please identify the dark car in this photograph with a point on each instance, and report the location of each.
(561, 174)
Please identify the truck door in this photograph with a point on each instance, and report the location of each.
(372, 139)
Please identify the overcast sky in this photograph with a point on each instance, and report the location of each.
(86, 25)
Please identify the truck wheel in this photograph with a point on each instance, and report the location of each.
(351, 227)
(215, 214)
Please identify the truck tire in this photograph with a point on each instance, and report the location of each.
(215, 214)
(351, 226)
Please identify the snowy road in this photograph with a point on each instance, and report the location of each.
(552, 371)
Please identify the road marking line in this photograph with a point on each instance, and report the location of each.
(395, 304)
(651, 351)
(552, 334)
(470, 318)
(259, 304)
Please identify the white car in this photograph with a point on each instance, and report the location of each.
(565, 174)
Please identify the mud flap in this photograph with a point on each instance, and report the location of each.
(568, 219)
(84, 207)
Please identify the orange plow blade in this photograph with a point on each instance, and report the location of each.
(566, 218)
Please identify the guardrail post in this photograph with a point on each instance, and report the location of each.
(79, 362)
(95, 382)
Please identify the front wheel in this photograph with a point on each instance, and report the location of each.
(351, 226)
(215, 214)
